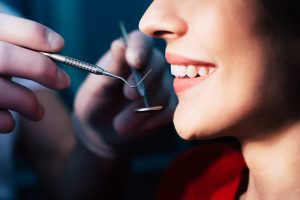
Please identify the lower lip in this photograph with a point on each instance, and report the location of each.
(182, 84)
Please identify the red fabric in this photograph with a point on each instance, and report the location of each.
(210, 172)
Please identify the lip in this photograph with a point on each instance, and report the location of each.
(181, 60)
(182, 84)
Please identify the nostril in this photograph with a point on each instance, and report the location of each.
(161, 33)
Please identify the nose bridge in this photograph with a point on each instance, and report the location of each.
(161, 20)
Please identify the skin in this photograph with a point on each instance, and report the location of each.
(105, 106)
(249, 95)
(121, 120)
(15, 61)
(49, 145)
(46, 149)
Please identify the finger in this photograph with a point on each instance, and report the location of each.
(7, 122)
(114, 62)
(117, 63)
(152, 82)
(20, 99)
(24, 63)
(104, 88)
(128, 122)
(139, 49)
(162, 118)
(29, 34)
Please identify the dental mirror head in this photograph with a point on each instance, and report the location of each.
(148, 109)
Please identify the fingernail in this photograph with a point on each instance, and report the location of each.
(63, 80)
(55, 40)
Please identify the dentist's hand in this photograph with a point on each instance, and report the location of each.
(17, 37)
(106, 105)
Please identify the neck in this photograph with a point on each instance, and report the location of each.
(274, 163)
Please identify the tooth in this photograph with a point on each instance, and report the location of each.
(202, 71)
(191, 71)
(175, 70)
(181, 70)
(172, 69)
(210, 70)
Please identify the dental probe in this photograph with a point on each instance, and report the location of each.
(137, 76)
(95, 69)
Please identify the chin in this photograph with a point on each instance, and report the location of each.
(194, 121)
(190, 126)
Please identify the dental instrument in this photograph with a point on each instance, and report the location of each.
(137, 76)
(95, 69)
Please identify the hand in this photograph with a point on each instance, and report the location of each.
(20, 39)
(106, 105)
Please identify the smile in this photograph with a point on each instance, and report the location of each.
(191, 71)
(188, 72)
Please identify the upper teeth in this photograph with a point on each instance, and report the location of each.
(190, 71)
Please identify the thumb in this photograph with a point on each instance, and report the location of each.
(114, 60)
(139, 49)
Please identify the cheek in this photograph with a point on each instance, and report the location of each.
(237, 91)
(233, 94)
(208, 112)
(224, 27)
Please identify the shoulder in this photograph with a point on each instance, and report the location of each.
(204, 171)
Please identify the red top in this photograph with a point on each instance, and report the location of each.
(209, 172)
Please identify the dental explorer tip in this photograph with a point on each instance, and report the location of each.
(106, 73)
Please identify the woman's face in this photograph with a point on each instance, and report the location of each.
(219, 57)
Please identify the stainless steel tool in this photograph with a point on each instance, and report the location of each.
(95, 69)
(137, 76)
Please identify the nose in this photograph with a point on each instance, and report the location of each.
(162, 21)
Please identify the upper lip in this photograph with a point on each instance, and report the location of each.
(182, 60)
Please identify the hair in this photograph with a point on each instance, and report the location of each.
(281, 24)
(283, 15)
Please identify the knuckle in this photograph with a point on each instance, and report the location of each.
(41, 34)
(52, 76)
(3, 57)
(45, 38)
(32, 104)
(51, 72)
(117, 44)
(46, 70)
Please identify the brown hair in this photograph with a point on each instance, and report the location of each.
(283, 15)
(281, 23)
